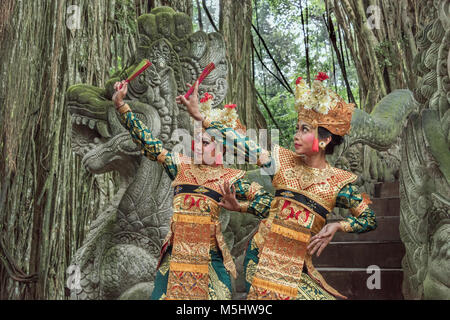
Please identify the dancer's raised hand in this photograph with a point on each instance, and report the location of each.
(229, 200)
(120, 93)
(191, 103)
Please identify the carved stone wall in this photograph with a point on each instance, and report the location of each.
(425, 169)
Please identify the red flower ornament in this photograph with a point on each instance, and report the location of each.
(298, 80)
(321, 76)
(206, 97)
(230, 106)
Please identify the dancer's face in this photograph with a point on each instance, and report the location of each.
(303, 139)
(206, 150)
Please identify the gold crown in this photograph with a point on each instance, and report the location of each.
(227, 116)
(322, 107)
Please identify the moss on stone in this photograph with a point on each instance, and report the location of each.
(162, 10)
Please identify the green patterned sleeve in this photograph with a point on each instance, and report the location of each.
(363, 218)
(253, 198)
(151, 147)
(238, 144)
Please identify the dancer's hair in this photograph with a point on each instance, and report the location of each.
(335, 139)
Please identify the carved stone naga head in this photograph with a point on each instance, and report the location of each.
(178, 57)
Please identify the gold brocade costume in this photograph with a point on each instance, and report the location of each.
(195, 229)
(303, 198)
(195, 245)
(284, 236)
(277, 263)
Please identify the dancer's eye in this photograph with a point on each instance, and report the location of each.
(205, 143)
(305, 129)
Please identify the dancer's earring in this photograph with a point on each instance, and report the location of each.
(322, 145)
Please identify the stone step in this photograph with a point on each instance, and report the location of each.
(361, 254)
(387, 189)
(352, 282)
(387, 230)
(389, 206)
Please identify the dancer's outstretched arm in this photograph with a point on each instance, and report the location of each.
(233, 141)
(151, 147)
(362, 220)
(253, 198)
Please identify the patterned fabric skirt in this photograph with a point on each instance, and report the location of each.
(308, 289)
(219, 280)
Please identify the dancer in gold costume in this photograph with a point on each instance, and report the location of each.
(195, 262)
(278, 259)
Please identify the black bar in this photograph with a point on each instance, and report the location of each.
(188, 188)
(311, 204)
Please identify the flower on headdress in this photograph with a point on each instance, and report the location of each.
(324, 106)
(227, 116)
(308, 106)
(216, 114)
(302, 92)
(206, 97)
(206, 104)
(321, 76)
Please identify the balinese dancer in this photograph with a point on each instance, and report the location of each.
(278, 260)
(195, 262)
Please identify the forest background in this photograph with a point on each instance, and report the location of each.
(47, 199)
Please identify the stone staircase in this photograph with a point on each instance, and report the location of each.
(345, 260)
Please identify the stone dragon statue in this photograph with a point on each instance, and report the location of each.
(118, 257)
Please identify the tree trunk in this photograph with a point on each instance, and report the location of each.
(339, 56)
(47, 198)
(306, 41)
(382, 51)
(235, 25)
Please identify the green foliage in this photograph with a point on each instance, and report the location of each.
(279, 23)
(383, 51)
(282, 108)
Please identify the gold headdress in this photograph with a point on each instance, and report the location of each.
(320, 106)
(227, 116)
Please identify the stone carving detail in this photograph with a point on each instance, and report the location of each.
(119, 255)
(371, 166)
(425, 173)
